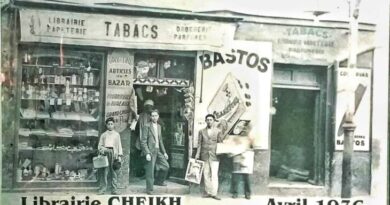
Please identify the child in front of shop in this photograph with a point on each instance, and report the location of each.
(110, 146)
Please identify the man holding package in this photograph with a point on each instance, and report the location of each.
(207, 147)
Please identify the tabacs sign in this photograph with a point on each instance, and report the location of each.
(122, 31)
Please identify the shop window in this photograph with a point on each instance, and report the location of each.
(60, 111)
(364, 60)
(171, 70)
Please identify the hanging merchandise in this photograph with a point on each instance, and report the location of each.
(149, 89)
(189, 102)
(161, 91)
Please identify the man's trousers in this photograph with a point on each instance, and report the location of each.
(158, 161)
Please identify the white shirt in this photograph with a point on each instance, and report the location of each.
(209, 131)
(155, 128)
(111, 139)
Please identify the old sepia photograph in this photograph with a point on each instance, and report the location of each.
(169, 102)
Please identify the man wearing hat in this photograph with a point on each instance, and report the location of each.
(143, 119)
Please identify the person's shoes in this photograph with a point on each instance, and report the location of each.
(234, 196)
(247, 196)
(149, 193)
(101, 192)
(215, 197)
(115, 193)
(161, 184)
(206, 195)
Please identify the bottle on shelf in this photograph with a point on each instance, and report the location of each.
(74, 79)
(85, 79)
(90, 79)
(23, 88)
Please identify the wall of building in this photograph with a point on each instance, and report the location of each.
(8, 94)
(361, 174)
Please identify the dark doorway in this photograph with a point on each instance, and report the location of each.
(293, 134)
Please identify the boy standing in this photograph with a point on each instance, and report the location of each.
(110, 146)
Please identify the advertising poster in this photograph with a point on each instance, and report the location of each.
(120, 96)
(360, 83)
(237, 85)
(170, 102)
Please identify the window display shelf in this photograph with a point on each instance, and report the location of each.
(57, 150)
(27, 133)
(42, 180)
(35, 118)
(62, 84)
(48, 99)
(59, 116)
(38, 99)
(59, 119)
(59, 67)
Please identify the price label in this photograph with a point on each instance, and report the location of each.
(68, 101)
(51, 101)
(59, 101)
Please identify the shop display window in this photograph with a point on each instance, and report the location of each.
(60, 113)
(173, 69)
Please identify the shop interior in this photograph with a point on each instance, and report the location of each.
(293, 135)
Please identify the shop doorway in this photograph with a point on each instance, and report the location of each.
(294, 135)
(173, 125)
(163, 77)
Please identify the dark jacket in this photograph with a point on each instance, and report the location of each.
(148, 139)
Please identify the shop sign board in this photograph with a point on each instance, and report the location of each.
(51, 26)
(236, 85)
(359, 81)
(120, 96)
(304, 44)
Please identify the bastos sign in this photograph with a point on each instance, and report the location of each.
(122, 31)
(236, 86)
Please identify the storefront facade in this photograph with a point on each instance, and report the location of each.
(307, 95)
(79, 68)
(76, 68)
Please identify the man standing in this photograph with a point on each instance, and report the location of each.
(143, 119)
(207, 147)
(154, 150)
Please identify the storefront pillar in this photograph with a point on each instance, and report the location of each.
(124, 172)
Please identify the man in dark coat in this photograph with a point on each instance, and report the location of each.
(154, 151)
